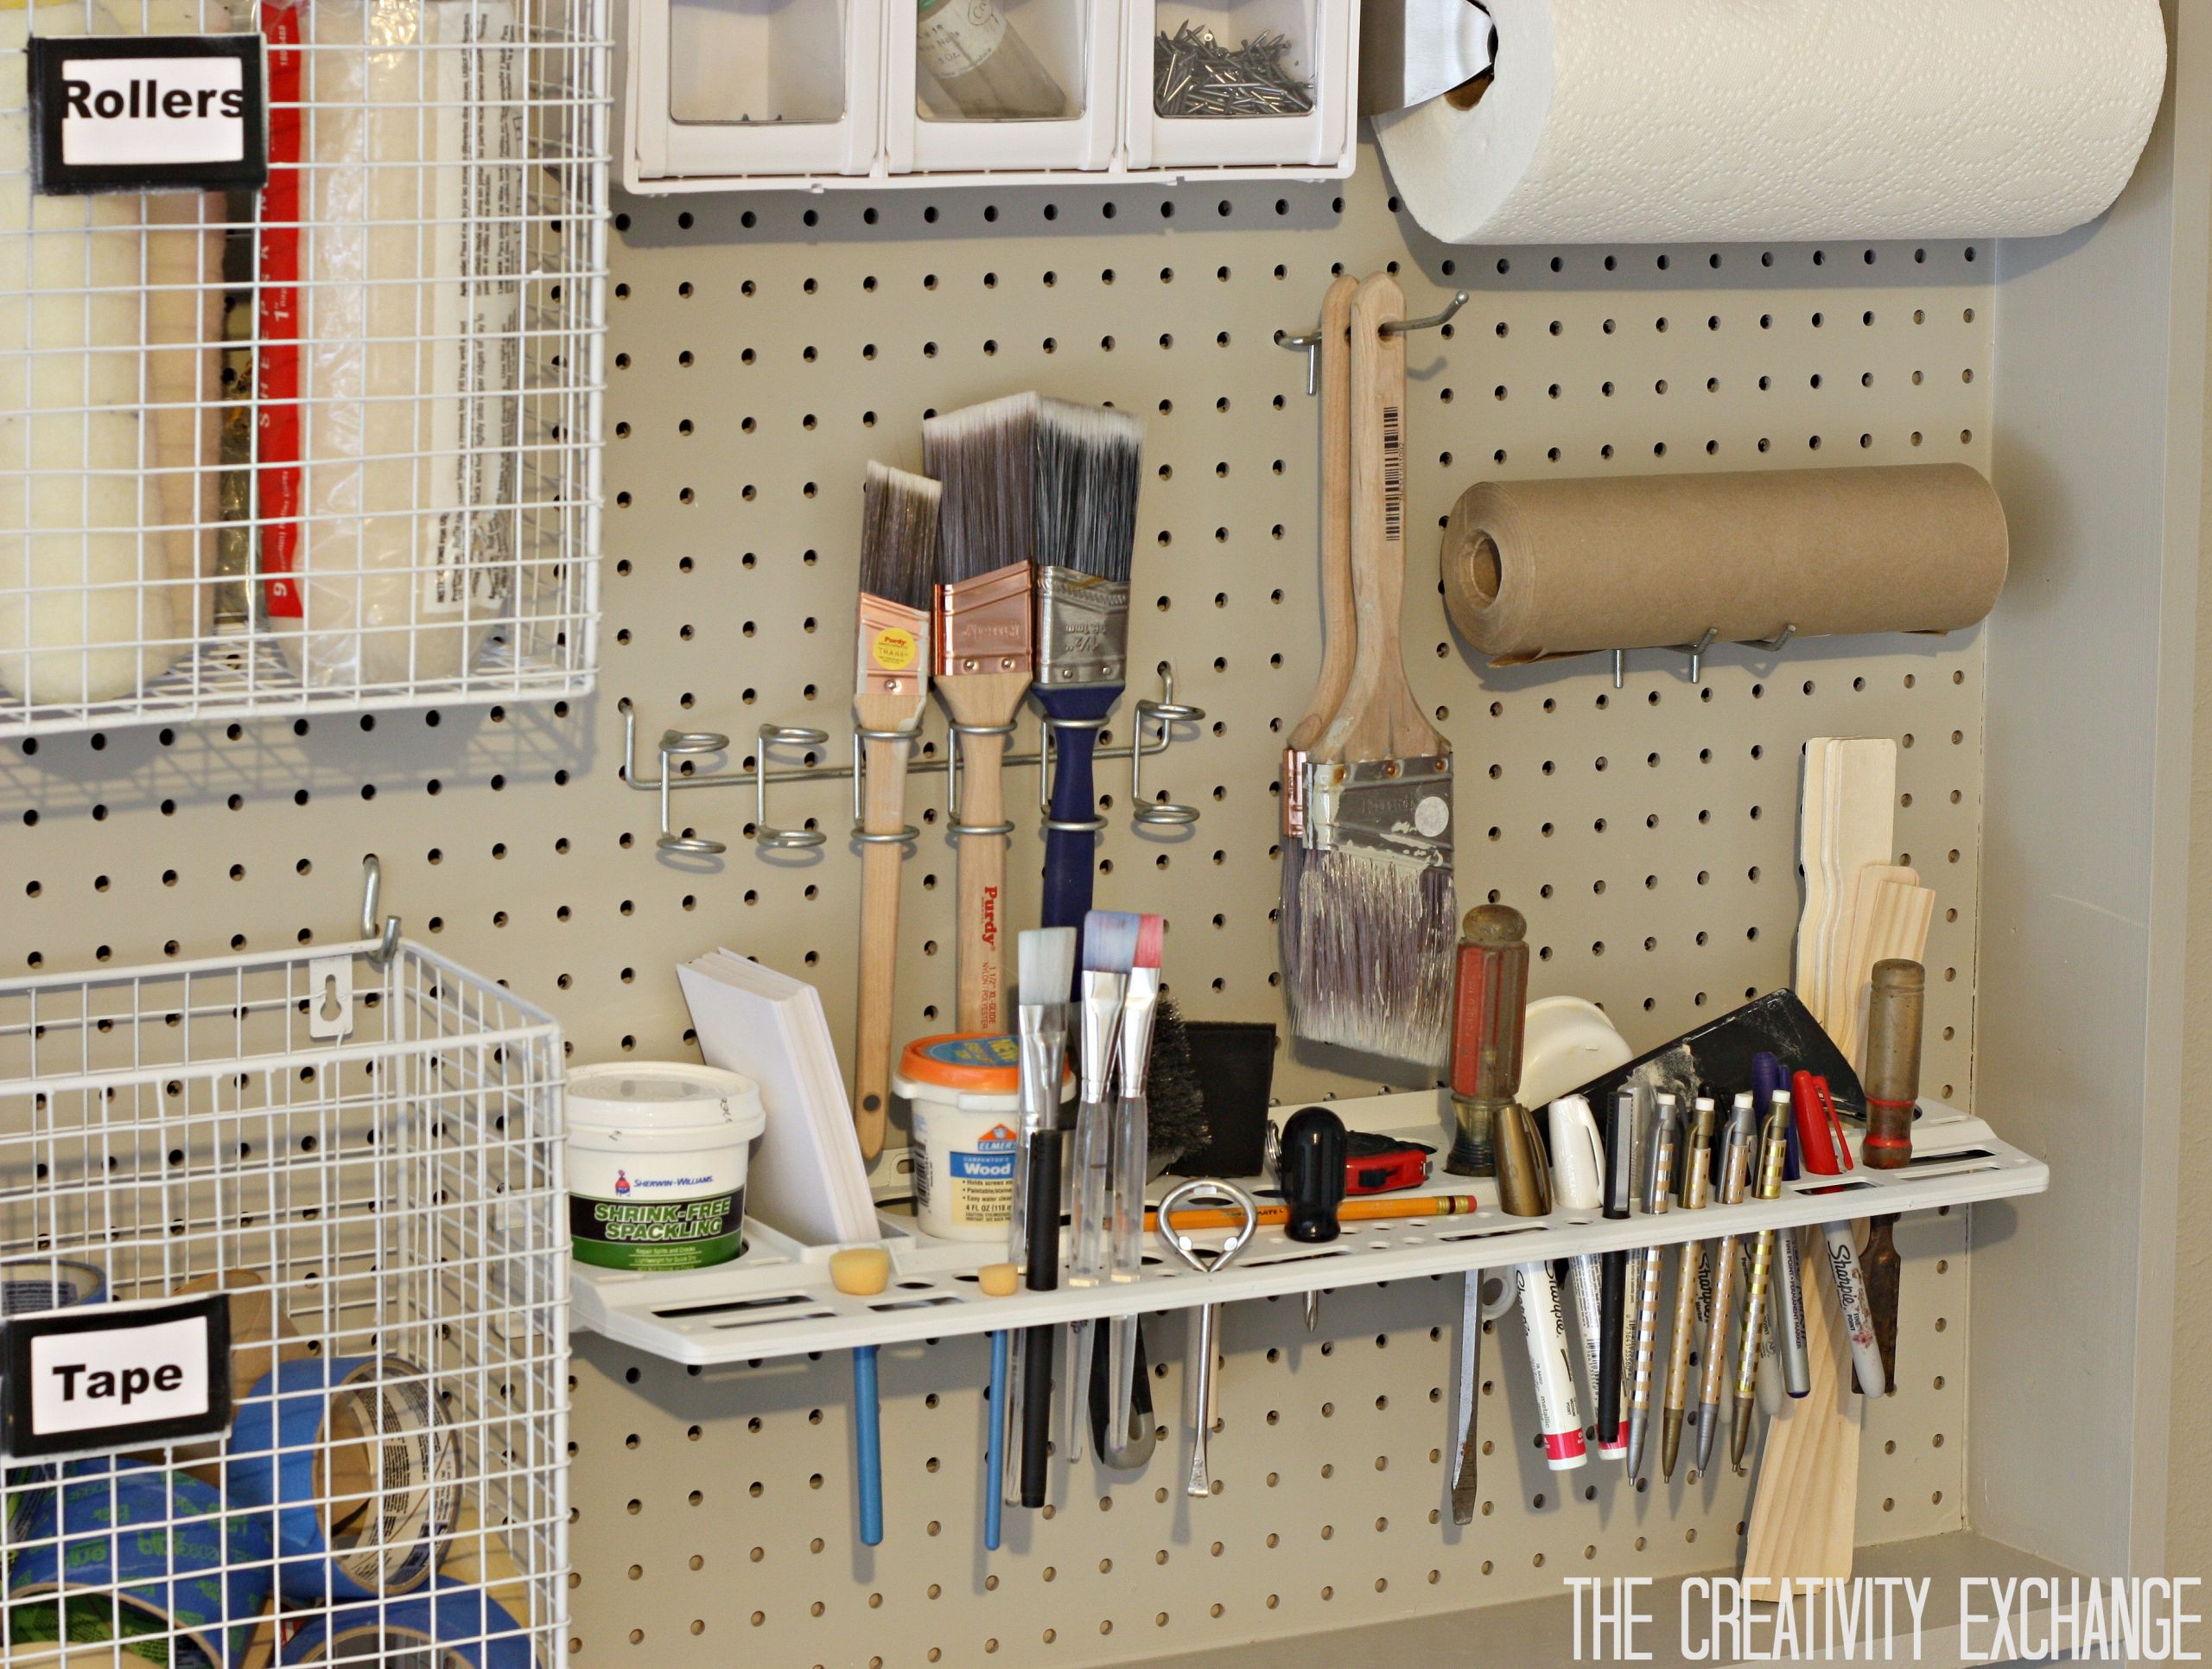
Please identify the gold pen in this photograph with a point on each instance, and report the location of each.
(1714, 1369)
(1666, 1136)
(1697, 1185)
(1774, 1144)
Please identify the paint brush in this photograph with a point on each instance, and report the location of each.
(1087, 471)
(1044, 960)
(1334, 347)
(898, 524)
(984, 457)
(1376, 907)
(1108, 950)
(1131, 1128)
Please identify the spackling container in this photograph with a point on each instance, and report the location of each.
(656, 1155)
(964, 1089)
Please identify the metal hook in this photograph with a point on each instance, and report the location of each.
(1399, 326)
(782, 735)
(1167, 814)
(675, 744)
(387, 936)
(1309, 343)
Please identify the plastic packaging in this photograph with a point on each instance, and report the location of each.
(391, 385)
(657, 1157)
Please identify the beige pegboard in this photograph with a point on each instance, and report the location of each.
(761, 348)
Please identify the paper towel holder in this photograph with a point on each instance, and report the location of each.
(1696, 651)
(1311, 339)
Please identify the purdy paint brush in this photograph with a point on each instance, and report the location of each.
(984, 458)
(1377, 910)
(1086, 477)
(899, 523)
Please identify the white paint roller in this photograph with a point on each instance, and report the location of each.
(409, 259)
(100, 507)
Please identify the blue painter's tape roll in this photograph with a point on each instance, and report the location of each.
(31, 1286)
(154, 1544)
(452, 1626)
(350, 1462)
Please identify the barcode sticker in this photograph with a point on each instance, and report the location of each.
(1393, 476)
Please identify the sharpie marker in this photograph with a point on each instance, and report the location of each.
(1552, 1367)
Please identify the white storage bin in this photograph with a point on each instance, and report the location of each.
(729, 89)
(1322, 46)
(1053, 66)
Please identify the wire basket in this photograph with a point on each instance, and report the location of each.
(367, 1154)
(333, 443)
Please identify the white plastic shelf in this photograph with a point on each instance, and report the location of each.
(777, 1300)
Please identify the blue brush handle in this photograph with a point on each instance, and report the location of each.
(995, 1448)
(867, 1439)
(1070, 858)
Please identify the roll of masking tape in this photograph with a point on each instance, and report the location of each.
(28, 1285)
(140, 1559)
(451, 1626)
(351, 1461)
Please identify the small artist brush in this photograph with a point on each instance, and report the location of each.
(1132, 1148)
(1046, 964)
(899, 520)
(984, 457)
(1107, 951)
(1376, 909)
(1087, 472)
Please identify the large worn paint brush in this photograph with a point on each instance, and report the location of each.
(1334, 349)
(984, 457)
(898, 522)
(1377, 901)
(1088, 460)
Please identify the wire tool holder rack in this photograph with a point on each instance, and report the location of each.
(360, 1148)
(677, 749)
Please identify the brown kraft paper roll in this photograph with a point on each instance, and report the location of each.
(1533, 568)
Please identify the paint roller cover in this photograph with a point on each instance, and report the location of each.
(408, 357)
(1558, 568)
(94, 503)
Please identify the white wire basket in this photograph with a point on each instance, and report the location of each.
(330, 444)
(366, 1154)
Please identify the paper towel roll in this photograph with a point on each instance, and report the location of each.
(1715, 121)
(408, 356)
(1562, 567)
(100, 513)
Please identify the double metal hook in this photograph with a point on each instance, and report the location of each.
(1309, 342)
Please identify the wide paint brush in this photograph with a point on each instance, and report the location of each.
(898, 523)
(984, 457)
(1377, 904)
(1087, 471)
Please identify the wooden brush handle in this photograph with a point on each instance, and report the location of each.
(1336, 634)
(983, 886)
(883, 811)
(1379, 717)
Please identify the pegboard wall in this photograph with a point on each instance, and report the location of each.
(761, 347)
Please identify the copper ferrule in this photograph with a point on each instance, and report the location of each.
(893, 651)
(1082, 628)
(983, 624)
(1294, 795)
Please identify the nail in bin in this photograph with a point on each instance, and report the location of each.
(737, 88)
(1241, 83)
